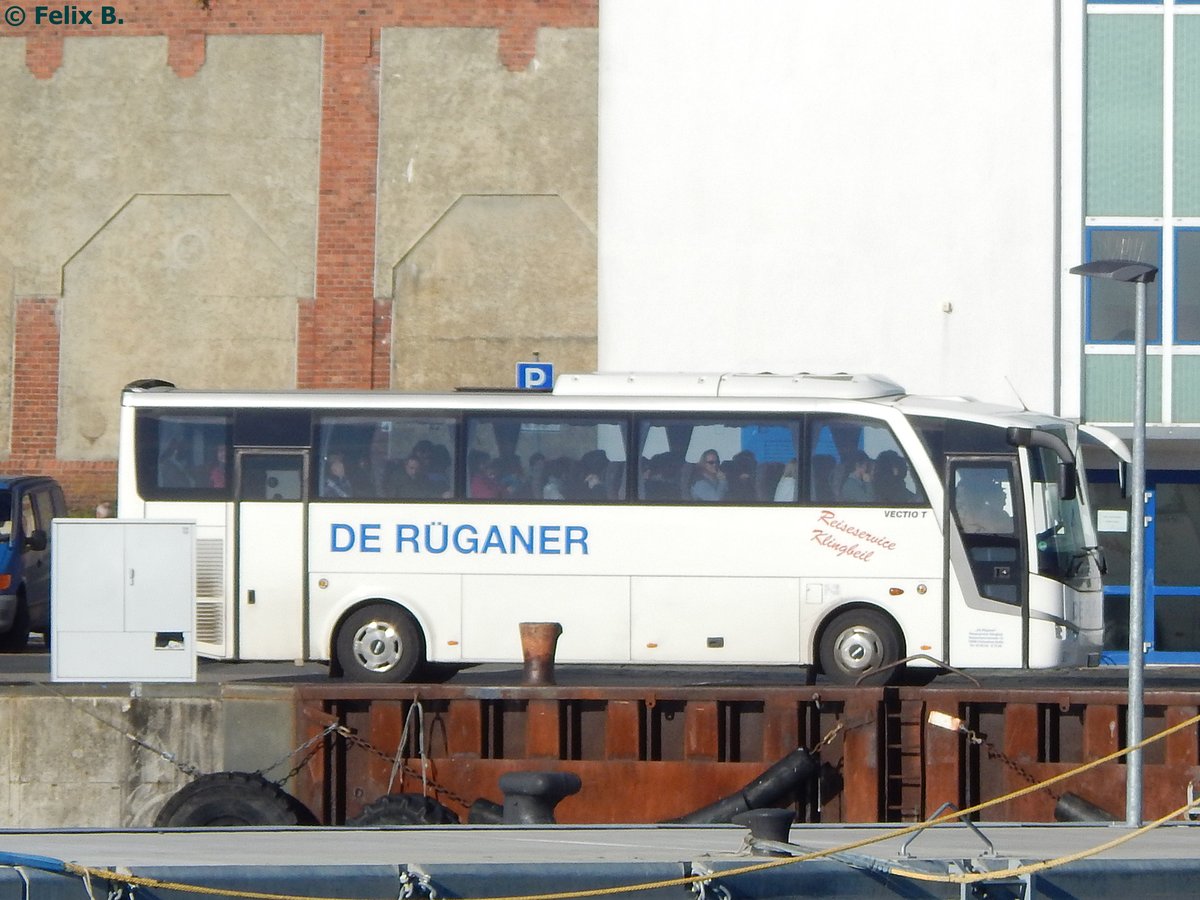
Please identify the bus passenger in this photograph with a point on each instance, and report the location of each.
(662, 477)
(218, 467)
(511, 476)
(375, 471)
(589, 484)
(435, 464)
(336, 484)
(891, 470)
(410, 482)
(740, 473)
(483, 485)
(980, 502)
(558, 472)
(857, 486)
(708, 481)
(537, 475)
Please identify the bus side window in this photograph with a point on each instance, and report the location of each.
(729, 460)
(858, 462)
(395, 458)
(184, 455)
(576, 458)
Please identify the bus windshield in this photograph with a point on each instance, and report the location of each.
(1063, 550)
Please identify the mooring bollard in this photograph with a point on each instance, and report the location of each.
(538, 643)
(530, 797)
(771, 825)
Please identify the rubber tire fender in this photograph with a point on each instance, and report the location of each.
(404, 809)
(231, 799)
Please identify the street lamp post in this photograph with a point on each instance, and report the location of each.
(1140, 274)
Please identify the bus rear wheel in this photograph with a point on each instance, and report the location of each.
(379, 643)
(857, 642)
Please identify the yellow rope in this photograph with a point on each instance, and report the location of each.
(970, 877)
(140, 881)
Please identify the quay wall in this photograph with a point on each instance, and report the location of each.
(69, 758)
(85, 756)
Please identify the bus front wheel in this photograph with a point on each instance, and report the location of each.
(379, 643)
(857, 642)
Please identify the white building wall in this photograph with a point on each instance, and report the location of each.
(799, 185)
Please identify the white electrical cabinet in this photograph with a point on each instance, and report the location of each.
(122, 600)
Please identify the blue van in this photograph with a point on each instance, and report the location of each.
(27, 504)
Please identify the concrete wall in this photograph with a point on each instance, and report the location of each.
(487, 206)
(66, 760)
(176, 218)
(832, 187)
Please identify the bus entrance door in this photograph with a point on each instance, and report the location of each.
(269, 620)
(987, 565)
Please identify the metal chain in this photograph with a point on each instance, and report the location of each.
(434, 786)
(993, 752)
(313, 742)
(186, 768)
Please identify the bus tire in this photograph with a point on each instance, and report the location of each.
(404, 809)
(379, 643)
(858, 641)
(231, 799)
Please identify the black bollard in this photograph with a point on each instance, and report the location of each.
(530, 797)
(773, 825)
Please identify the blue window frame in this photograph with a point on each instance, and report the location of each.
(1186, 291)
(1109, 315)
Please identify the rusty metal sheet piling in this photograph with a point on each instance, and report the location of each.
(651, 754)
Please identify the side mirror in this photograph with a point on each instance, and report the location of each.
(37, 540)
(1067, 480)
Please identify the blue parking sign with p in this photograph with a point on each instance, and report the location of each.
(535, 376)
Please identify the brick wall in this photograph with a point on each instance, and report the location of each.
(344, 331)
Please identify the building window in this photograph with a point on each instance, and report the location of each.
(1109, 304)
(1142, 202)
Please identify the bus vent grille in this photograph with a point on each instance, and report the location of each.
(210, 591)
(210, 621)
(210, 569)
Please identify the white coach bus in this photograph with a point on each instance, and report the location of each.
(686, 519)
